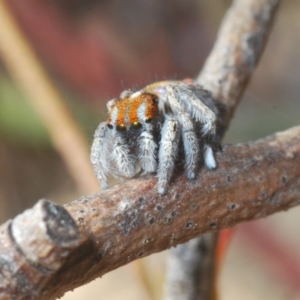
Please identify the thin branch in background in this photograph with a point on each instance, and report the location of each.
(239, 45)
(30, 76)
(190, 269)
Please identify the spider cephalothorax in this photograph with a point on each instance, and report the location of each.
(147, 130)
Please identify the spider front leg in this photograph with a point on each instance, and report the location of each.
(125, 162)
(100, 154)
(147, 152)
(168, 152)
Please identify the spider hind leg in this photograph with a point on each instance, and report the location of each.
(190, 145)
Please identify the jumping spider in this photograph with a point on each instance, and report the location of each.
(146, 131)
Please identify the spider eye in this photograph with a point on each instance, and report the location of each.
(121, 128)
(109, 126)
(148, 120)
(136, 125)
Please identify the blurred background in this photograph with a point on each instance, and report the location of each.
(91, 50)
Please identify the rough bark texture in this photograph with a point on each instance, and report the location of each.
(240, 43)
(33, 247)
(130, 221)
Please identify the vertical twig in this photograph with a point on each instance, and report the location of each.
(190, 271)
(30, 76)
(240, 42)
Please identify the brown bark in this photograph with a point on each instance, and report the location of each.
(240, 43)
(33, 247)
(131, 221)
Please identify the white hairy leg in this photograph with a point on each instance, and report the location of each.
(201, 99)
(189, 95)
(124, 161)
(189, 137)
(190, 145)
(196, 102)
(147, 152)
(100, 154)
(147, 147)
(168, 152)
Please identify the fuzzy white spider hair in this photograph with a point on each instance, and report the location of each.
(147, 130)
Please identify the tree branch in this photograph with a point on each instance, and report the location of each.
(240, 43)
(131, 221)
(191, 269)
(252, 187)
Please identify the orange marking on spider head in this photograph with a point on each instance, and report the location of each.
(152, 106)
(117, 113)
(121, 112)
(150, 109)
(127, 111)
(135, 103)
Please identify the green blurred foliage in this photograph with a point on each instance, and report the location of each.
(18, 122)
(20, 125)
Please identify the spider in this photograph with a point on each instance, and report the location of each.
(146, 131)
